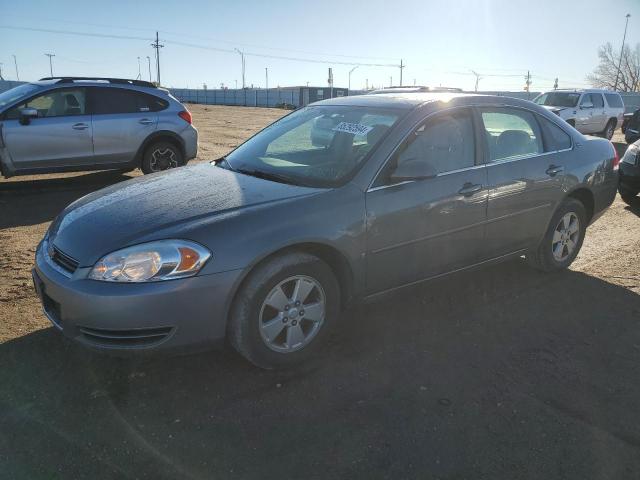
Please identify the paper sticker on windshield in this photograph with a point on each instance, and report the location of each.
(353, 128)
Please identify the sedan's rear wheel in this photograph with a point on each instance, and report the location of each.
(563, 238)
(284, 310)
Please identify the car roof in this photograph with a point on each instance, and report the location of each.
(98, 82)
(582, 90)
(412, 100)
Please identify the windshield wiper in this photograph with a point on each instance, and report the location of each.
(275, 177)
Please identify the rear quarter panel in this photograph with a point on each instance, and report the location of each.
(591, 167)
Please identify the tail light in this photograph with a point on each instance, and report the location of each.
(616, 158)
(186, 116)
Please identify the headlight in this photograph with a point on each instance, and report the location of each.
(151, 262)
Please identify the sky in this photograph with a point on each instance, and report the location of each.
(440, 42)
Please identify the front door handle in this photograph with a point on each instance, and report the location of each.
(469, 189)
(145, 121)
(80, 126)
(553, 170)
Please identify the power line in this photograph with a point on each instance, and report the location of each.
(183, 35)
(204, 47)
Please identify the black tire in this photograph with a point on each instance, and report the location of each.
(609, 129)
(160, 156)
(542, 257)
(630, 198)
(243, 330)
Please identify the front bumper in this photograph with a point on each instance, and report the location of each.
(184, 314)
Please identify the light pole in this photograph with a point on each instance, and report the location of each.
(266, 83)
(149, 63)
(1, 71)
(139, 75)
(242, 58)
(350, 72)
(624, 37)
(15, 61)
(50, 55)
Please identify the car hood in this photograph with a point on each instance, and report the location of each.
(137, 209)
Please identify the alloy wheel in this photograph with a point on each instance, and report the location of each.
(163, 159)
(565, 237)
(292, 314)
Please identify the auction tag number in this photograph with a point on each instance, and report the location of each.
(353, 128)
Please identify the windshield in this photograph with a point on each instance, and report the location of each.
(316, 146)
(558, 99)
(16, 93)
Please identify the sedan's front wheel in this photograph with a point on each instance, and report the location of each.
(563, 238)
(284, 310)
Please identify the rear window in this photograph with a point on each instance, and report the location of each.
(614, 100)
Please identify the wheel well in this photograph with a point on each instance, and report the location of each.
(332, 257)
(615, 122)
(585, 197)
(160, 137)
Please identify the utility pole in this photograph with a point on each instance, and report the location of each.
(157, 46)
(1, 71)
(330, 81)
(50, 55)
(367, 84)
(391, 81)
(624, 37)
(350, 72)
(242, 58)
(15, 61)
(401, 67)
(477, 79)
(555, 84)
(149, 64)
(527, 83)
(139, 75)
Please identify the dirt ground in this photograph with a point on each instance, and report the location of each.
(498, 373)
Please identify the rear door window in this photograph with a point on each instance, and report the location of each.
(511, 133)
(614, 100)
(107, 101)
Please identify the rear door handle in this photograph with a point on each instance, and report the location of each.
(80, 126)
(146, 121)
(553, 170)
(469, 189)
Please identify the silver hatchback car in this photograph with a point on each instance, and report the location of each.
(82, 123)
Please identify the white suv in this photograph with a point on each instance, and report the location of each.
(590, 111)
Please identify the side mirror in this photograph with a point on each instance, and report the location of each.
(27, 114)
(413, 169)
(586, 105)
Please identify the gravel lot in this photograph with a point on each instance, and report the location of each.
(498, 373)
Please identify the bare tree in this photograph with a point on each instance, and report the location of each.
(604, 76)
